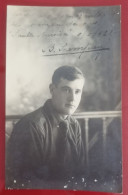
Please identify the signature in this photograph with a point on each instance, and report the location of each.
(53, 50)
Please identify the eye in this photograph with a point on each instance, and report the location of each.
(66, 89)
(78, 91)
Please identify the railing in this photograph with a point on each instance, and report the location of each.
(106, 116)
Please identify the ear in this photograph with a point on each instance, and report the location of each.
(51, 88)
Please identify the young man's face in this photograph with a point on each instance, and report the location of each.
(66, 95)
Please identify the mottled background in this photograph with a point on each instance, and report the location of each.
(33, 32)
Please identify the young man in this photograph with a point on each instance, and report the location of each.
(45, 148)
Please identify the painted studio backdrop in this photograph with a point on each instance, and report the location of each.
(40, 39)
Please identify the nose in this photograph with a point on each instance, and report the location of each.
(71, 96)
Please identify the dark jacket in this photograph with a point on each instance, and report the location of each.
(44, 148)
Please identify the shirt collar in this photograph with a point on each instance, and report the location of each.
(53, 114)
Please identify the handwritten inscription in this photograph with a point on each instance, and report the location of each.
(67, 34)
(96, 33)
(66, 50)
(83, 24)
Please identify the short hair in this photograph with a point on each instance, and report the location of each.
(67, 72)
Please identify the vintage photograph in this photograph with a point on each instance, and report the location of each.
(63, 98)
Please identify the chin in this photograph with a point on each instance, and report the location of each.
(70, 112)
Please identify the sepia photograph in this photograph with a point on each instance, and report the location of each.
(63, 98)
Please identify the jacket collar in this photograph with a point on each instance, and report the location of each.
(53, 114)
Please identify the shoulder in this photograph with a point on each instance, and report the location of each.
(35, 118)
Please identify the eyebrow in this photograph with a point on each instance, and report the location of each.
(63, 87)
(66, 87)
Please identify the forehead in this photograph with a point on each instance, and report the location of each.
(75, 84)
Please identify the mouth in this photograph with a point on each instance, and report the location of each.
(70, 106)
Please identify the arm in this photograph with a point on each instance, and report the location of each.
(24, 153)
